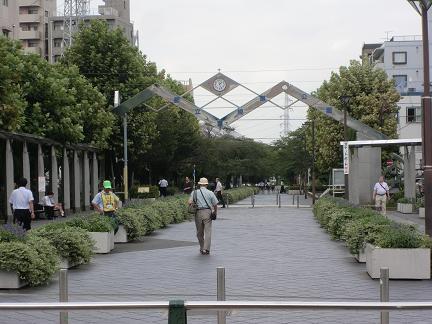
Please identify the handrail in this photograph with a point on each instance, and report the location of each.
(219, 305)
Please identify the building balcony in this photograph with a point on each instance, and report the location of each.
(25, 18)
(58, 33)
(30, 34)
(33, 50)
(30, 3)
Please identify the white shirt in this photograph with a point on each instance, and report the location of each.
(20, 198)
(218, 186)
(163, 183)
(47, 201)
(378, 188)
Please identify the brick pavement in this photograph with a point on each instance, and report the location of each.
(269, 254)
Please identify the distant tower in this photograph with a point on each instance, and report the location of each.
(286, 115)
(122, 7)
(74, 11)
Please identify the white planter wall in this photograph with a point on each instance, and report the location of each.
(421, 212)
(104, 241)
(10, 280)
(402, 263)
(405, 208)
(121, 235)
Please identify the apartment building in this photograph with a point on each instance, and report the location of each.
(33, 18)
(115, 12)
(8, 18)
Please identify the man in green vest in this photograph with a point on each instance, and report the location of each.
(106, 202)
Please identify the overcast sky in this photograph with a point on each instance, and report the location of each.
(260, 43)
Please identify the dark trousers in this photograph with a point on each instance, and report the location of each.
(219, 196)
(23, 218)
(163, 191)
(115, 220)
(49, 211)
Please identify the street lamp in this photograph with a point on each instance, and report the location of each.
(345, 101)
(422, 7)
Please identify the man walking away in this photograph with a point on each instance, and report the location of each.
(219, 192)
(163, 185)
(106, 202)
(380, 195)
(206, 202)
(21, 201)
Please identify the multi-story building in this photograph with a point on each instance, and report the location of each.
(33, 18)
(115, 12)
(8, 18)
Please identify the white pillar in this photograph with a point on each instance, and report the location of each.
(54, 173)
(409, 172)
(9, 177)
(353, 177)
(41, 171)
(86, 179)
(94, 176)
(66, 182)
(26, 162)
(76, 182)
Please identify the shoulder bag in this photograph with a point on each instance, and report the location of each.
(193, 207)
(213, 214)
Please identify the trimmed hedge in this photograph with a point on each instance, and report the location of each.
(237, 194)
(358, 226)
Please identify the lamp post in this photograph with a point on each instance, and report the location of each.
(422, 7)
(125, 149)
(345, 101)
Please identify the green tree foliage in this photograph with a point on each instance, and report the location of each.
(373, 102)
(292, 156)
(50, 100)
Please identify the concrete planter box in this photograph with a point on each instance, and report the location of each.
(121, 235)
(11, 280)
(104, 241)
(422, 212)
(405, 208)
(361, 256)
(402, 263)
(66, 264)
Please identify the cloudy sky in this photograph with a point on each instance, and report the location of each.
(260, 43)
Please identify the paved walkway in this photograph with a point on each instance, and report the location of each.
(269, 254)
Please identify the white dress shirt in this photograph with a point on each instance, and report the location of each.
(21, 198)
(381, 188)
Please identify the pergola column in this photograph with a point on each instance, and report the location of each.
(409, 172)
(353, 177)
(94, 176)
(54, 173)
(41, 171)
(86, 179)
(26, 162)
(66, 182)
(76, 182)
(9, 177)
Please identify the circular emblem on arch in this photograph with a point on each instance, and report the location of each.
(219, 85)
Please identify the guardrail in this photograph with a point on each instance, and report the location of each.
(178, 309)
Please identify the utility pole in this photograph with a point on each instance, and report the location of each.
(125, 149)
(345, 100)
(313, 162)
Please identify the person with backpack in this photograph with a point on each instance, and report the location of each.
(206, 211)
(106, 203)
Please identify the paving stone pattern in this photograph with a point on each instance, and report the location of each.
(269, 254)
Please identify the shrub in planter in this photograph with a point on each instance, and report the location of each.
(9, 233)
(405, 200)
(93, 223)
(133, 222)
(238, 194)
(72, 243)
(402, 236)
(34, 259)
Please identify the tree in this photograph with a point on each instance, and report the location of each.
(373, 102)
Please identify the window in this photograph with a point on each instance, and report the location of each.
(5, 33)
(413, 115)
(399, 57)
(6, 3)
(58, 26)
(401, 82)
(33, 43)
(57, 43)
(33, 11)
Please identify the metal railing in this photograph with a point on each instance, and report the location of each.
(178, 310)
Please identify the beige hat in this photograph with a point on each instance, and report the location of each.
(203, 181)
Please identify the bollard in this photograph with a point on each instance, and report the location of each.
(227, 201)
(63, 285)
(293, 199)
(253, 201)
(277, 198)
(221, 293)
(384, 293)
(177, 312)
(298, 201)
(279, 201)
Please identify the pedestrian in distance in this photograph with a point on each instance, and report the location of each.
(106, 203)
(187, 186)
(51, 206)
(219, 192)
(21, 201)
(163, 186)
(380, 195)
(206, 202)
